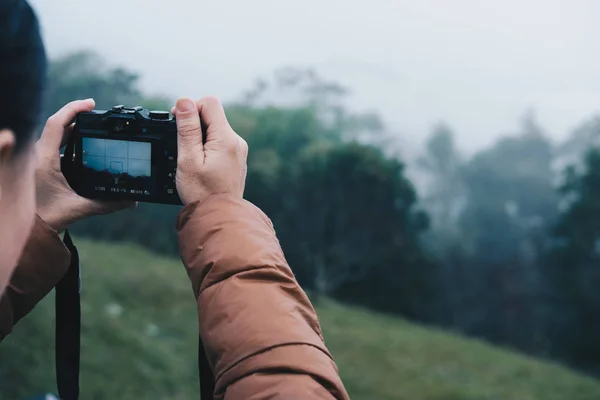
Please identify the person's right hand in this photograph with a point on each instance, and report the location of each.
(215, 167)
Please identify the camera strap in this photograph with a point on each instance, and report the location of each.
(68, 326)
(205, 374)
(68, 331)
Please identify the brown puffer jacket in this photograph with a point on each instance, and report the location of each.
(259, 330)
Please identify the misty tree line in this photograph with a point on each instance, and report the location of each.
(502, 245)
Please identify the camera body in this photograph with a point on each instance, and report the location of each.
(123, 154)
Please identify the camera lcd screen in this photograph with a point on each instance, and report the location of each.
(117, 166)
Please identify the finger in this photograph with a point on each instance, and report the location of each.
(52, 136)
(88, 207)
(189, 132)
(213, 116)
(212, 112)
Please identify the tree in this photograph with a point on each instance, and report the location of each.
(445, 189)
(292, 87)
(444, 199)
(510, 205)
(574, 265)
(359, 229)
(83, 74)
(585, 136)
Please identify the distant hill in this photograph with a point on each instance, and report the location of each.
(139, 342)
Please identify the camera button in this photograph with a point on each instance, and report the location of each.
(162, 115)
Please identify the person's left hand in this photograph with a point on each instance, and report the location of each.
(57, 203)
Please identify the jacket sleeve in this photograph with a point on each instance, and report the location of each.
(43, 263)
(259, 330)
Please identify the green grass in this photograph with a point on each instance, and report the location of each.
(139, 342)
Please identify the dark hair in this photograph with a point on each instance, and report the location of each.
(22, 70)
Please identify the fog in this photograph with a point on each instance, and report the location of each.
(393, 237)
(476, 65)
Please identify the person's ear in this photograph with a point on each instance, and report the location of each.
(7, 148)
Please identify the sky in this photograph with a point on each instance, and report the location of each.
(476, 65)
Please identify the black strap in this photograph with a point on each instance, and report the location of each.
(68, 330)
(206, 376)
(68, 327)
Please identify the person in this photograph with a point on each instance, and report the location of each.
(260, 332)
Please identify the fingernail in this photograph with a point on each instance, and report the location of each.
(89, 99)
(185, 105)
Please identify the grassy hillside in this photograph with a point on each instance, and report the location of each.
(139, 342)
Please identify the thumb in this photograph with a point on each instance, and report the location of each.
(189, 132)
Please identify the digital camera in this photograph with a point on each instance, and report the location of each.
(123, 154)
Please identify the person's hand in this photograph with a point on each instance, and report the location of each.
(57, 203)
(215, 167)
